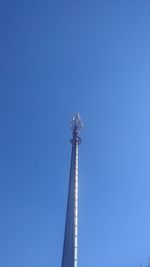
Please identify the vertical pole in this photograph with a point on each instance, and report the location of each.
(76, 210)
(70, 247)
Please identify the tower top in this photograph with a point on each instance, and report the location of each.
(76, 125)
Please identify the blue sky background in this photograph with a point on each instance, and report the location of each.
(58, 58)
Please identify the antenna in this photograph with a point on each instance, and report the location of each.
(76, 124)
(70, 247)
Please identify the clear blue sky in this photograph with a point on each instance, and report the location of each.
(58, 58)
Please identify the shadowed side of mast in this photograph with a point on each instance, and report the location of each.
(69, 258)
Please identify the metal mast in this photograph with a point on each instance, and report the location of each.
(69, 258)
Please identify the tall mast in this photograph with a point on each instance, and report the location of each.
(69, 258)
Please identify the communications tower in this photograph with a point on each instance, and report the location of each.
(70, 246)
